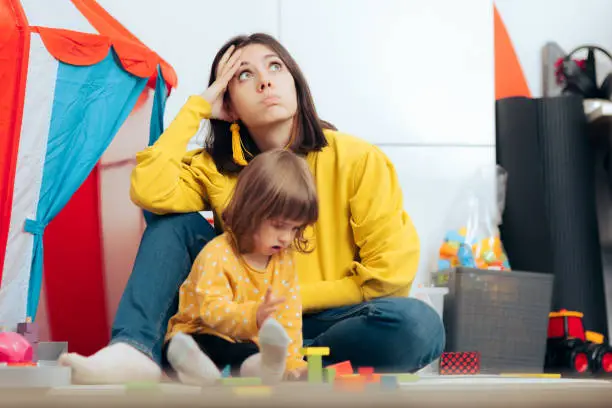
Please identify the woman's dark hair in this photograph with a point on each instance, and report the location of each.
(309, 127)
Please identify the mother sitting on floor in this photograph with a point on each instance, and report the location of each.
(354, 285)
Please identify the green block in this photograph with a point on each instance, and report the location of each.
(389, 382)
(241, 381)
(329, 374)
(407, 377)
(315, 369)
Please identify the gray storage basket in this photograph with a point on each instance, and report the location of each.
(501, 314)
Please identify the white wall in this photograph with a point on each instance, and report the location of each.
(413, 76)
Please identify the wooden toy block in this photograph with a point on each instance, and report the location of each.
(142, 387)
(29, 331)
(460, 363)
(352, 383)
(389, 382)
(367, 372)
(253, 391)
(315, 351)
(315, 368)
(329, 375)
(51, 350)
(374, 378)
(530, 375)
(241, 381)
(406, 377)
(23, 364)
(343, 368)
(227, 372)
(27, 328)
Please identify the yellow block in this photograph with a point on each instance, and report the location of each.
(253, 391)
(315, 351)
(594, 337)
(565, 313)
(530, 375)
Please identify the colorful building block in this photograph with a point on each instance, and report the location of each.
(227, 372)
(315, 351)
(389, 382)
(530, 375)
(352, 383)
(405, 377)
(142, 386)
(329, 375)
(241, 381)
(315, 369)
(29, 331)
(367, 372)
(253, 391)
(343, 368)
(314, 356)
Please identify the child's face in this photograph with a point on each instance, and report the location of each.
(275, 235)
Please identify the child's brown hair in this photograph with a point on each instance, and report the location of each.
(276, 184)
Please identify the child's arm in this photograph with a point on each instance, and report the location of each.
(290, 316)
(215, 300)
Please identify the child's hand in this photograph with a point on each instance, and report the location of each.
(268, 307)
(298, 374)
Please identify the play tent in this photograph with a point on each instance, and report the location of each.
(71, 75)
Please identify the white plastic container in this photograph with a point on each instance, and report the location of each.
(434, 296)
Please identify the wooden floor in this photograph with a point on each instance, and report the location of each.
(427, 394)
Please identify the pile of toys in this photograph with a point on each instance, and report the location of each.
(486, 253)
(20, 347)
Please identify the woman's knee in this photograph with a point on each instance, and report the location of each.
(185, 232)
(418, 338)
(188, 226)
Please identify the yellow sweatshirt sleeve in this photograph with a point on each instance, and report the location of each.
(166, 178)
(388, 242)
(216, 307)
(330, 294)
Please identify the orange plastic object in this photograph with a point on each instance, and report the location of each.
(367, 372)
(351, 383)
(343, 368)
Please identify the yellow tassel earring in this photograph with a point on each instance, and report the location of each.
(237, 151)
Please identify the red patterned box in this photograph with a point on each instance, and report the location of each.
(460, 363)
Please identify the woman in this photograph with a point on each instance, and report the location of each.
(366, 249)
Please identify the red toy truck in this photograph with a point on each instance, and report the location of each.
(572, 350)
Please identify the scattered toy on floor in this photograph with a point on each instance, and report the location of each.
(314, 357)
(573, 350)
(460, 363)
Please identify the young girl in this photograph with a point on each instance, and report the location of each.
(240, 305)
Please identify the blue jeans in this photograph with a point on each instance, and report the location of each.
(389, 334)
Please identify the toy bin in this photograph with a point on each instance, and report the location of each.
(503, 315)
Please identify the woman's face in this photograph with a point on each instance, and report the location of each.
(263, 90)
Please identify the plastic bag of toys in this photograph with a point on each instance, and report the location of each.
(471, 229)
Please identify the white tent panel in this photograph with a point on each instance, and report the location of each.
(56, 14)
(39, 92)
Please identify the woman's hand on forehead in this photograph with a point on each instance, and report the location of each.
(228, 65)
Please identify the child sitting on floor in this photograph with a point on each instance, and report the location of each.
(240, 306)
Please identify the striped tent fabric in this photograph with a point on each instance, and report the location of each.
(71, 76)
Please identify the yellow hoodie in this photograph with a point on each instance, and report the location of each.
(366, 246)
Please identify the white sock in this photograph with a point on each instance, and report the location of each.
(272, 359)
(118, 363)
(191, 365)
